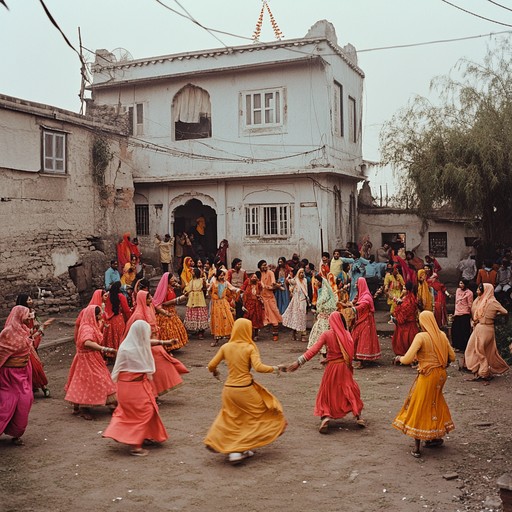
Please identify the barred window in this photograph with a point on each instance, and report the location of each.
(268, 220)
(142, 219)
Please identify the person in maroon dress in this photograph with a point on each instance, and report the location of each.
(253, 303)
(406, 320)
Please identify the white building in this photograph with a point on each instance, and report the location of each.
(262, 140)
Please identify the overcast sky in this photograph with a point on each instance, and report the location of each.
(37, 65)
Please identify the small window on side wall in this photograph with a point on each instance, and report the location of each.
(142, 219)
(54, 152)
(438, 244)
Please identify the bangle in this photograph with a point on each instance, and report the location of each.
(301, 360)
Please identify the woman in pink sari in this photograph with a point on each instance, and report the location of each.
(364, 333)
(16, 395)
(339, 393)
(168, 371)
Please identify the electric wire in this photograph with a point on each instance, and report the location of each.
(477, 15)
(499, 5)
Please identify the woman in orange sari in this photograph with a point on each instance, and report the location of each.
(425, 415)
(136, 417)
(221, 317)
(186, 273)
(481, 355)
(168, 371)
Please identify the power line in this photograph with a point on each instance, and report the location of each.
(477, 15)
(499, 5)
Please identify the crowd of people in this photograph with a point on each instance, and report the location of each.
(126, 335)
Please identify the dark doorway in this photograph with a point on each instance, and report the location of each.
(186, 220)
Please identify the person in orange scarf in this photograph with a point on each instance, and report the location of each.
(16, 395)
(251, 416)
(425, 294)
(268, 282)
(425, 414)
(186, 273)
(339, 393)
(168, 369)
(89, 383)
(124, 251)
(136, 417)
(481, 355)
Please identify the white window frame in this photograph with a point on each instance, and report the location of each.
(268, 221)
(53, 162)
(352, 119)
(263, 110)
(136, 116)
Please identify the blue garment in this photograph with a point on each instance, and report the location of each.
(357, 270)
(282, 296)
(111, 276)
(375, 269)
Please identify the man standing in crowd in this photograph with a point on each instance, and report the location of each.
(112, 274)
(237, 276)
(165, 248)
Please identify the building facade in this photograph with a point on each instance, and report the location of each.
(261, 141)
(66, 193)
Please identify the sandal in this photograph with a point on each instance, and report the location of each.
(139, 453)
(17, 441)
(324, 426)
(76, 410)
(214, 343)
(86, 415)
(46, 392)
(361, 423)
(434, 443)
(415, 454)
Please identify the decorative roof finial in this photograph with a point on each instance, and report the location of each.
(259, 23)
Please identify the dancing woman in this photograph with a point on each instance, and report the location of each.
(339, 393)
(251, 416)
(425, 415)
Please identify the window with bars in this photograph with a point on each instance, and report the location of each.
(268, 220)
(438, 244)
(54, 152)
(142, 219)
(263, 109)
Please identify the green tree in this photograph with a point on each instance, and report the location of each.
(460, 151)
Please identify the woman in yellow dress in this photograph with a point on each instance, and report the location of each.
(425, 414)
(251, 416)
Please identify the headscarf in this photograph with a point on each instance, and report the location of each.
(89, 329)
(142, 312)
(162, 290)
(97, 298)
(327, 298)
(134, 354)
(186, 273)
(481, 302)
(124, 250)
(15, 337)
(242, 332)
(364, 295)
(429, 325)
(347, 343)
(424, 291)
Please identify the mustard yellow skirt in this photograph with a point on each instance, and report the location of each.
(425, 414)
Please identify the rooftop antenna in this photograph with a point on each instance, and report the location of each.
(259, 23)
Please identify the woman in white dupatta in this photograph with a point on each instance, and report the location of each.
(295, 315)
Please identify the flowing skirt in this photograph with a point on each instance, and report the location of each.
(481, 356)
(282, 299)
(39, 379)
(250, 417)
(255, 313)
(221, 319)
(366, 341)
(403, 336)
(172, 328)
(89, 381)
(425, 414)
(113, 332)
(168, 371)
(196, 319)
(339, 393)
(16, 399)
(295, 315)
(136, 416)
(461, 331)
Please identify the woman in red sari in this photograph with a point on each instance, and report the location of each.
(170, 326)
(339, 393)
(136, 417)
(364, 333)
(168, 371)
(253, 303)
(124, 250)
(89, 383)
(440, 295)
(117, 312)
(16, 395)
(406, 320)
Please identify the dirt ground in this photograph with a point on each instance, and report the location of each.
(66, 465)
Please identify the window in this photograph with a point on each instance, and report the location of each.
(438, 244)
(135, 122)
(352, 119)
(142, 219)
(338, 109)
(54, 152)
(263, 110)
(192, 114)
(268, 220)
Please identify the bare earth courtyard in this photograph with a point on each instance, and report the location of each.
(66, 465)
